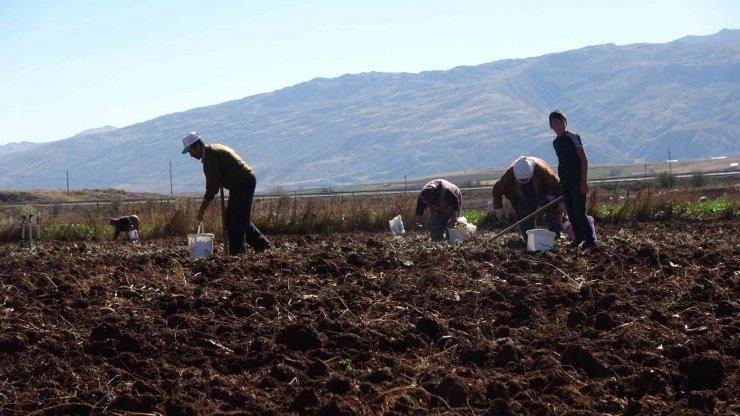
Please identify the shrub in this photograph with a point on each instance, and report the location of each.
(698, 179)
(666, 180)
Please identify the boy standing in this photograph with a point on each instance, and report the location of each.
(573, 172)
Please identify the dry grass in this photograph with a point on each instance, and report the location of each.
(295, 214)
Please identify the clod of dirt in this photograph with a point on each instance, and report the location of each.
(379, 376)
(704, 372)
(282, 373)
(503, 332)
(324, 266)
(10, 344)
(141, 404)
(496, 390)
(178, 321)
(646, 251)
(521, 311)
(701, 400)
(647, 382)
(354, 259)
(373, 243)
(453, 391)
(338, 385)
(298, 337)
(104, 331)
(428, 326)
(606, 301)
(176, 407)
(676, 352)
(501, 407)
(475, 356)
(659, 317)
(576, 317)
(507, 353)
(305, 399)
(317, 369)
(579, 357)
(603, 322)
(264, 300)
(333, 409)
(267, 383)
(128, 343)
(350, 341)
(726, 308)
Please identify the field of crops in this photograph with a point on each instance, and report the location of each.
(366, 323)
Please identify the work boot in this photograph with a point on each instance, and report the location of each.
(589, 245)
(576, 245)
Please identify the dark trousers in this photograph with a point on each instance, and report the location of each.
(239, 226)
(438, 225)
(526, 206)
(575, 206)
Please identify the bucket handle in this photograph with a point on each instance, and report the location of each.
(200, 227)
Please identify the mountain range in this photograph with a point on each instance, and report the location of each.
(628, 103)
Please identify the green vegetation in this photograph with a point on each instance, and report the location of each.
(475, 216)
(648, 207)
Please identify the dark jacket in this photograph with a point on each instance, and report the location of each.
(443, 198)
(544, 182)
(569, 163)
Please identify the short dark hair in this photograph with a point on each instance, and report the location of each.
(558, 115)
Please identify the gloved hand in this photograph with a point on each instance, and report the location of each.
(499, 213)
(419, 223)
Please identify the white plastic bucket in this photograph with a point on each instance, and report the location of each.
(133, 235)
(461, 231)
(200, 244)
(539, 239)
(396, 225)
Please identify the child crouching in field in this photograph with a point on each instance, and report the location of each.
(126, 224)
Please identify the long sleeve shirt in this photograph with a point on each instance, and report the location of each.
(223, 167)
(543, 182)
(440, 196)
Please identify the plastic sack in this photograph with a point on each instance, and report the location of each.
(396, 225)
(461, 231)
(568, 228)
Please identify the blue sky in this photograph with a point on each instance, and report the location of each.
(74, 65)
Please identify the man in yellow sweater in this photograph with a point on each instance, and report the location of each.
(224, 168)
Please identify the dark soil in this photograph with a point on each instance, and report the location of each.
(355, 324)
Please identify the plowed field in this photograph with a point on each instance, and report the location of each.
(349, 324)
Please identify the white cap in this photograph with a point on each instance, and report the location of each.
(189, 139)
(523, 168)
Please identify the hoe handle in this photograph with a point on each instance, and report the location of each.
(548, 205)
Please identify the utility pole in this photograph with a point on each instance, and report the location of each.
(405, 188)
(670, 171)
(646, 170)
(171, 193)
(67, 181)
